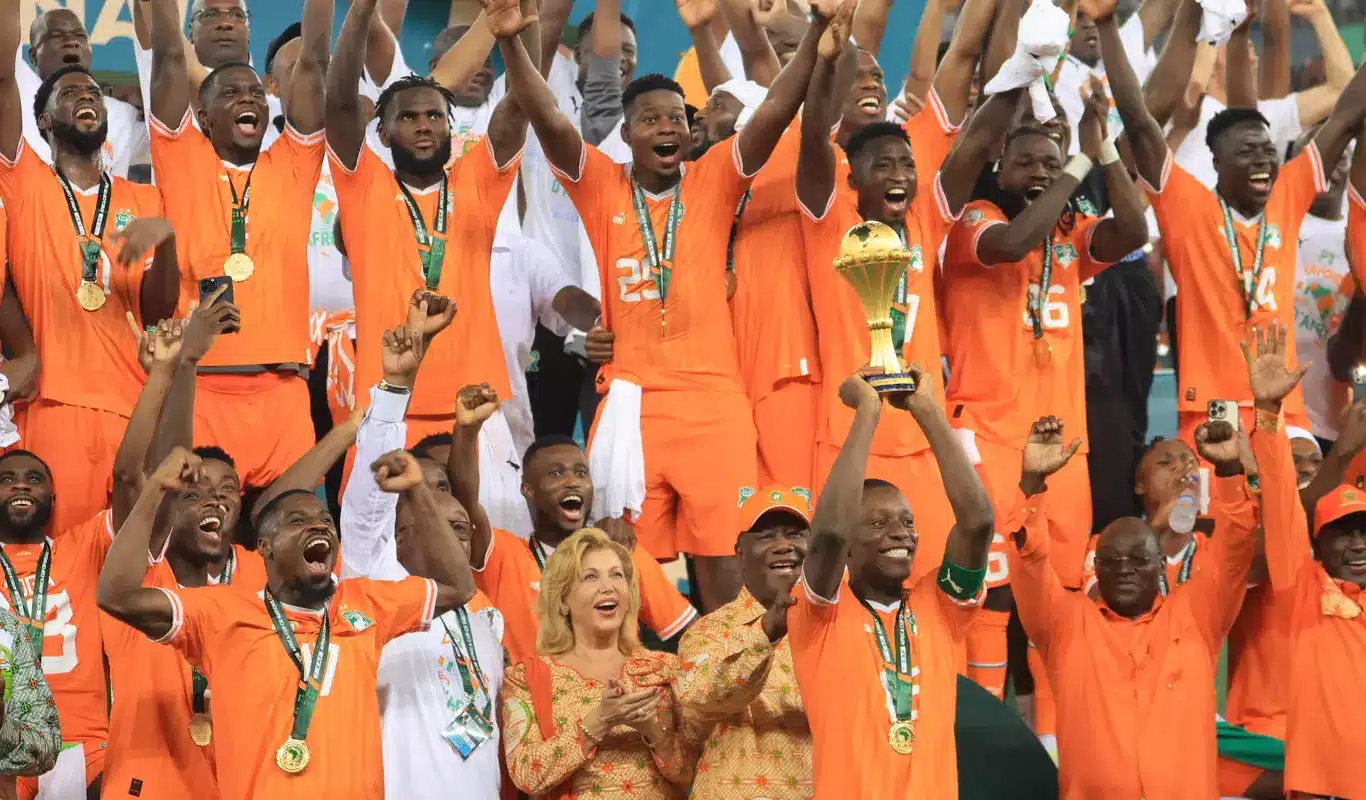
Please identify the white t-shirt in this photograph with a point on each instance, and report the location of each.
(1323, 289)
(1194, 155)
(1074, 74)
(524, 277)
(128, 141)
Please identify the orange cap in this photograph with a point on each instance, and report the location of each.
(1341, 502)
(755, 504)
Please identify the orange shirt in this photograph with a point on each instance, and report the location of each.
(73, 660)
(89, 358)
(1356, 234)
(1327, 648)
(386, 269)
(839, 671)
(997, 387)
(840, 319)
(1258, 681)
(1211, 312)
(512, 581)
(682, 343)
(194, 184)
(932, 138)
(149, 739)
(229, 636)
(1135, 696)
(775, 329)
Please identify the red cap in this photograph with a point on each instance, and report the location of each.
(1341, 502)
(755, 504)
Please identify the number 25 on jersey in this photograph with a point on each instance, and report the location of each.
(635, 281)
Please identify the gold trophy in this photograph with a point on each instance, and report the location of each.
(873, 259)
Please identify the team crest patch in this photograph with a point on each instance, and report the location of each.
(917, 259)
(1087, 207)
(1273, 237)
(746, 493)
(974, 216)
(357, 620)
(122, 219)
(803, 493)
(1065, 254)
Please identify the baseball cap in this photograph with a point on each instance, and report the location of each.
(1343, 501)
(754, 504)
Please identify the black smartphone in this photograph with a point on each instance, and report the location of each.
(207, 288)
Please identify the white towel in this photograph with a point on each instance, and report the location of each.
(616, 456)
(750, 95)
(9, 433)
(500, 478)
(1221, 17)
(1042, 40)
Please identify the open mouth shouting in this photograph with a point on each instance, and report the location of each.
(22, 504)
(1260, 181)
(897, 199)
(1035, 190)
(871, 104)
(606, 607)
(671, 153)
(211, 524)
(572, 506)
(247, 123)
(87, 112)
(318, 548)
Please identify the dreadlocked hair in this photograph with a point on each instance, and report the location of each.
(989, 187)
(405, 83)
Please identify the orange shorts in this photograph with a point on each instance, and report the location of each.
(262, 420)
(786, 421)
(61, 781)
(1068, 502)
(699, 452)
(985, 648)
(917, 476)
(78, 444)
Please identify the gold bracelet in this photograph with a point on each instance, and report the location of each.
(588, 737)
(1267, 422)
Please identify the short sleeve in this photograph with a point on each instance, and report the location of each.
(810, 620)
(721, 175)
(400, 606)
(179, 156)
(304, 154)
(976, 219)
(662, 608)
(24, 171)
(197, 617)
(1302, 179)
(90, 541)
(932, 136)
(478, 172)
(365, 177)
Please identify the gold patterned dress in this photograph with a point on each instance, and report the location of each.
(743, 688)
(621, 765)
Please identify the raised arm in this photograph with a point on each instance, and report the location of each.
(1126, 230)
(559, 138)
(1273, 63)
(975, 147)
(1167, 84)
(816, 159)
(159, 351)
(507, 126)
(120, 593)
(175, 428)
(1154, 15)
(841, 502)
(382, 43)
(1012, 241)
(756, 51)
(870, 23)
(311, 469)
(925, 49)
(1316, 103)
(170, 67)
(11, 103)
(1146, 139)
(305, 106)
(345, 118)
(1345, 121)
(953, 78)
(466, 57)
(1240, 79)
(761, 134)
(437, 550)
(554, 18)
(1220, 591)
(697, 16)
(473, 406)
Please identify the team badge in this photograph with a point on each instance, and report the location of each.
(974, 216)
(1273, 236)
(746, 493)
(358, 621)
(1065, 254)
(122, 219)
(917, 259)
(1085, 205)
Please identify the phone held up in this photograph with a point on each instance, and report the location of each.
(1223, 411)
(1358, 383)
(207, 288)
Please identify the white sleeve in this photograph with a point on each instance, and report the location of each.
(143, 57)
(1284, 115)
(368, 513)
(28, 89)
(546, 277)
(732, 57)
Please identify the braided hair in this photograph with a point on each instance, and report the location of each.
(407, 82)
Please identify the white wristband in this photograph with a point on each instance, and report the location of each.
(1109, 154)
(1078, 166)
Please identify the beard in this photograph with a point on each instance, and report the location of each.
(82, 142)
(37, 521)
(406, 161)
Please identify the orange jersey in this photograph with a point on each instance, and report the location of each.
(89, 358)
(997, 385)
(229, 636)
(197, 187)
(386, 269)
(149, 740)
(839, 671)
(73, 658)
(775, 329)
(843, 324)
(511, 579)
(932, 137)
(1356, 234)
(1257, 676)
(680, 343)
(1211, 311)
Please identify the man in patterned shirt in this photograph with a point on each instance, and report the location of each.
(29, 733)
(737, 679)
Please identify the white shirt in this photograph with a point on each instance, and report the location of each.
(524, 277)
(418, 762)
(1323, 289)
(1074, 74)
(1194, 155)
(127, 143)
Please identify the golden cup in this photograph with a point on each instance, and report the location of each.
(873, 259)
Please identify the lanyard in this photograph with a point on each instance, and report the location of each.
(1246, 281)
(660, 268)
(35, 613)
(431, 248)
(899, 679)
(1045, 280)
(536, 553)
(1183, 572)
(898, 312)
(471, 676)
(90, 244)
(734, 232)
(238, 234)
(310, 681)
(200, 683)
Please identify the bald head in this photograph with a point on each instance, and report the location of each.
(1129, 566)
(220, 31)
(57, 39)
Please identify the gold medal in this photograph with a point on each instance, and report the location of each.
(1043, 352)
(239, 267)
(90, 296)
(292, 756)
(901, 737)
(201, 731)
(1082, 294)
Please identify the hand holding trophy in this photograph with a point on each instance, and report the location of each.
(873, 259)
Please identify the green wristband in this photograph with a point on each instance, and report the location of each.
(961, 583)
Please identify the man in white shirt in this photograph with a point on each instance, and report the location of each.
(437, 694)
(56, 39)
(1083, 61)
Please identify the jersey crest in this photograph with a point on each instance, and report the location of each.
(917, 259)
(358, 621)
(1273, 237)
(122, 218)
(974, 216)
(1065, 254)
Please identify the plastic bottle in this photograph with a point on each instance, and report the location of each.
(1182, 519)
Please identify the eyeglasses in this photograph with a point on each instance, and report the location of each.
(215, 15)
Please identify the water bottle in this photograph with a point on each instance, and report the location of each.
(1182, 519)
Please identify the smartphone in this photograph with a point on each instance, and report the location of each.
(1358, 383)
(207, 287)
(1223, 411)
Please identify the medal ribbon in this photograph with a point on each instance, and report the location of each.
(899, 679)
(1183, 572)
(430, 248)
(90, 244)
(1045, 280)
(200, 683)
(536, 553)
(734, 232)
(237, 237)
(311, 674)
(35, 613)
(660, 268)
(472, 724)
(1247, 282)
(898, 313)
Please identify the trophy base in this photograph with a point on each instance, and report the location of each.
(893, 383)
